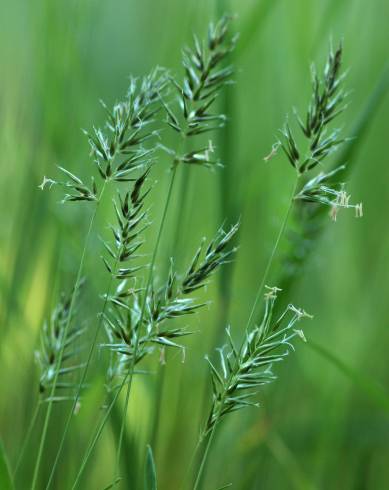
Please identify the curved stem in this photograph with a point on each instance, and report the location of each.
(27, 437)
(272, 255)
(84, 374)
(65, 332)
(143, 310)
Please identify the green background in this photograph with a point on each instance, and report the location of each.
(325, 422)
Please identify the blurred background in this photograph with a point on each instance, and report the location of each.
(325, 422)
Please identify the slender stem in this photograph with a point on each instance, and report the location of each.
(59, 361)
(253, 309)
(160, 381)
(175, 249)
(205, 455)
(97, 434)
(182, 205)
(27, 437)
(148, 285)
(272, 255)
(131, 369)
(84, 373)
(227, 181)
(191, 463)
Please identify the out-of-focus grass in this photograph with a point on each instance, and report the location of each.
(317, 427)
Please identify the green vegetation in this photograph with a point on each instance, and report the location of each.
(109, 304)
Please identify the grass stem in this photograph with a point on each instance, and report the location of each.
(252, 313)
(272, 255)
(204, 460)
(128, 377)
(97, 435)
(143, 310)
(72, 303)
(27, 437)
(83, 377)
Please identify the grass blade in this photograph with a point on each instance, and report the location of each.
(5, 474)
(373, 390)
(364, 120)
(150, 471)
(253, 24)
(286, 459)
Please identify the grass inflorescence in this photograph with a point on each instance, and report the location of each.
(145, 301)
(244, 369)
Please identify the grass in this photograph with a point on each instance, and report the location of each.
(332, 285)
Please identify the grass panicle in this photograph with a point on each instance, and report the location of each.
(322, 140)
(322, 189)
(123, 145)
(120, 149)
(134, 329)
(54, 340)
(131, 221)
(125, 325)
(190, 113)
(328, 102)
(126, 145)
(58, 360)
(195, 96)
(145, 304)
(245, 369)
(319, 142)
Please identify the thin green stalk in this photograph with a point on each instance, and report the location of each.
(27, 437)
(161, 378)
(228, 179)
(287, 460)
(252, 312)
(97, 435)
(272, 255)
(228, 200)
(131, 370)
(207, 447)
(72, 303)
(148, 285)
(83, 377)
(204, 459)
(175, 249)
(191, 464)
(182, 205)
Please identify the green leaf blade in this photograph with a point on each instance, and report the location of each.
(6, 482)
(150, 471)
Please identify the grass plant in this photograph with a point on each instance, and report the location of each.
(147, 232)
